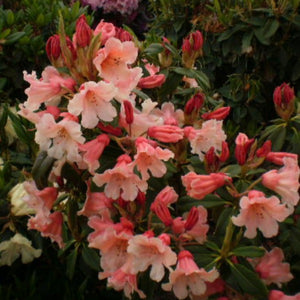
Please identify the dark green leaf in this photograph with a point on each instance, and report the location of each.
(154, 48)
(248, 251)
(91, 258)
(14, 37)
(277, 138)
(71, 263)
(228, 33)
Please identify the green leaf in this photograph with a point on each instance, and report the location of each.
(14, 37)
(277, 138)
(228, 33)
(91, 258)
(249, 281)
(153, 49)
(210, 201)
(248, 251)
(246, 41)
(233, 170)
(141, 94)
(10, 18)
(71, 263)
(264, 33)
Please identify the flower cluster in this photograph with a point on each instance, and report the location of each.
(142, 193)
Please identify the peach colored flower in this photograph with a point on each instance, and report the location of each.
(153, 80)
(279, 295)
(106, 29)
(166, 196)
(149, 158)
(169, 114)
(198, 186)
(188, 279)
(285, 181)
(148, 250)
(166, 133)
(59, 139)
(93, 150)
(277, 157)
(271, 268)
(48, 89)
(210, 135)
(93, 102)
(121, 180)
(257, 211)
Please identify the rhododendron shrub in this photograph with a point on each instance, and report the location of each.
(150, 182)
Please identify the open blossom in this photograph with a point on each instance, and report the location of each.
(48, 89)
(93, 102)
(93, 150)
(17, 246)
(210, 135)
(169, 115)
(59, 139)
(150, 159)
(188, 279)
(147, 250)
(285, 181)
(121, 180)
(271, 268)
(260, 212)
(198, 186)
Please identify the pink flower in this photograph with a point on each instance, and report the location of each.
(151, 82)
(48, 89)
(279, 295)
(59, 139)
(151, 251)
(107, 31)
(166, 133)
(121, 180)
(93, 150)
(162, 212)
(271, 268)
(83, 32)
(198, 186)
(277, 157)
(219, 114)
(188, 279)
(169, 114)
(284, 98)
(149, 158)
(94, 102)
(285, 181)
(166, 196)
(194, 104)
(210, 135)
(257, 211)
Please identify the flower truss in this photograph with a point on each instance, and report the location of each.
(157, 183)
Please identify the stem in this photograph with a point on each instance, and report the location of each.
(227, 240)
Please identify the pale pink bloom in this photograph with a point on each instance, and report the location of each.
(52, 228)
(93, 102)
(142, 119)
(198, 186)
(166, 196)
(59, 139)
(150, 159)
(279, 295)
(285, 181)
(192, 83)
(121, 180)
(93, 150)
(188, 279)
(113, 59)
(106, 29)
(95, 204)
(169, 114)
(277, 157)
(210, 135)
(122, 280)
(151, 251)
(40, 200)
(271, 268)
(166, 133)
(35, 117)
(48, 89)
(260, 212)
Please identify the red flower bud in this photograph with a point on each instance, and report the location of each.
(211, 160)
(219, 114)
(194, 104)
(123, 35)
(128, 111)
(225, 152)
(284, 97)
(265, 149)
(162, 212)
(110, 129)
(53, 47)
(197, 40)
(152, 81)
(243, 145)
(71, 48)
(192, 218)
(83, 32)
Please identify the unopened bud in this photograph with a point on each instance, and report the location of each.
(284, 98)
(219, 114)
(194, 104)
(53, 47)
(83, 32)
(192, 218)
(265, 149)
(128, 111)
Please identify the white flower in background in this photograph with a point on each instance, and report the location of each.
(17, 246)
(19, 206)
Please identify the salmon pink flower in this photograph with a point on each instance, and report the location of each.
(93, 102)
(152, 81)
(93, 150)
(188, 279)
(285, 181)
(169, 114)
(166, 133)
(151, 251)
(59, 139)
(166, 196)
(198, 186)
(48, 89)
(218, 114)
(210, 135)
(150, 159)
(279, 295)
(257, 211)
(271, 268)
(121, 180)
(106, 29)
(277, 157)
